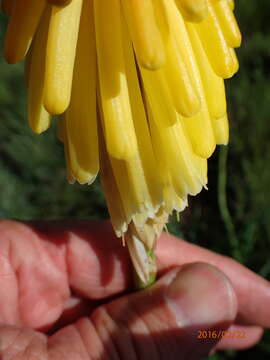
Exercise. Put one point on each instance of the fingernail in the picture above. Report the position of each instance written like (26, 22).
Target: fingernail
(200, 295)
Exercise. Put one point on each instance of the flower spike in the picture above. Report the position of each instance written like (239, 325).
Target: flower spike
(138, 87)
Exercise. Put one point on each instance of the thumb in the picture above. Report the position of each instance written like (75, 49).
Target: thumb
(162, 322)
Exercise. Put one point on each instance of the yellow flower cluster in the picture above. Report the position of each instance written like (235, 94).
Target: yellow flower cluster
(139, 88)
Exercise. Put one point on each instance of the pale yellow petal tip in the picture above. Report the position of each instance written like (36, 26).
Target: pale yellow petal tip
(142, 20)
(40, 129)
(235, 61)
(221, 130)
(182, 205)
(153, 63)
(120, 229)
(239, 41)
(85, 178)
(204, 151)
(229, 71)
(233, 66)
(123, 151)
(55, 106)
(193, 10)
(190, 108)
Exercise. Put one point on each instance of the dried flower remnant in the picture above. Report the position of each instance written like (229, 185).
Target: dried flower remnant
(139, 90)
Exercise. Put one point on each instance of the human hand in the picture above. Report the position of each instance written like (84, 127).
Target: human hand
(65, 294)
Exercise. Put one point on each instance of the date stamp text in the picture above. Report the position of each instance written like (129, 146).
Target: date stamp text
(221, 334)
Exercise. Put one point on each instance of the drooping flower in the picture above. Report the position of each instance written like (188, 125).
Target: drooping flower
(139, 89)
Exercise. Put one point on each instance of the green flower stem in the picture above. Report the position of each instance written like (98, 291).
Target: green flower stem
(223, 203)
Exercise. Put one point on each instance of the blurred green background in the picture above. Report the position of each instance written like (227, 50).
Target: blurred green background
(232, 217)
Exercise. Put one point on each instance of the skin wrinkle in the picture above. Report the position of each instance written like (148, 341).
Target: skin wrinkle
(44, 338)
(13, 341)
(97, 317)
(19, 340)
(92, 337)
(146, 326)
(68, 263)
(8, 253)
(163, 328)
(113, 335)
(122, 326)
(54, 251)
(247, 303)
(50, 297)
(66, 254)
(67, 341)
(156, 346)
(28, 351)
(20, 230)
(50, 271)
(70, 255)
(145, 323)
(106, 280)
(5, 263)
(60, 261)
(82, 342)
(52, 258)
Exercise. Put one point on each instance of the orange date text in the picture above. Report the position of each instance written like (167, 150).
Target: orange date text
(221, 334)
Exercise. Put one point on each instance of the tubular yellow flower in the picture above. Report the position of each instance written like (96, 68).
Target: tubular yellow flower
(139, 87)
